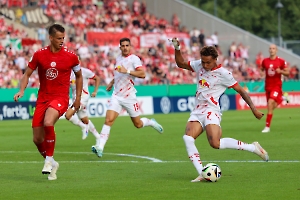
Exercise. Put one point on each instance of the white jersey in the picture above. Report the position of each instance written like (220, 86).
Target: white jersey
(124, 83)
(86, 75)
(210, 86)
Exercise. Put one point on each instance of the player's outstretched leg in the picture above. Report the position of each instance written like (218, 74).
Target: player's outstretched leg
(153, 123)
(52, 176)
(230, 143)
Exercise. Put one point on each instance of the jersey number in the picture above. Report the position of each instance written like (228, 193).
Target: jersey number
(136, 106)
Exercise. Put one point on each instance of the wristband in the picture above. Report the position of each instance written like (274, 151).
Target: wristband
(128, 71)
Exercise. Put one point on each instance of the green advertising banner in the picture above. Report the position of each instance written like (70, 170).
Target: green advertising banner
(152, 90)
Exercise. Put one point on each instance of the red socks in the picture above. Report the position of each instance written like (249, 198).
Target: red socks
(268, 120)
(49, 140)
(42, 148)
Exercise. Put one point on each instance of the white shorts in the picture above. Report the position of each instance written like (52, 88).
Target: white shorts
(129, 104)
(82, 112)
(208, 117)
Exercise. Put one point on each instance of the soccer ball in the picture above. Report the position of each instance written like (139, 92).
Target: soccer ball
(211, 172)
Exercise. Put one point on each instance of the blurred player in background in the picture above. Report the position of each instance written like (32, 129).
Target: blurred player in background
(274, 68)
(54, 64)
(81, 119)
(128, 66)
(213, 80)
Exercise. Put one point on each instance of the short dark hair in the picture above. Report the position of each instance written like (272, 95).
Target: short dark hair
(209, 51)
(124, 39)
(54, 28)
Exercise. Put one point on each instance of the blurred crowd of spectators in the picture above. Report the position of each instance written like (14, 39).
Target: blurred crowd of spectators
(118, 16)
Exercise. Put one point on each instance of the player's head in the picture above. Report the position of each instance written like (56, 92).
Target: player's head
(56, 36)
(273, 50)
(125, 46)
(209, 55)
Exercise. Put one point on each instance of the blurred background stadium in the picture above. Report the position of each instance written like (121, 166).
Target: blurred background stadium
(95, 26)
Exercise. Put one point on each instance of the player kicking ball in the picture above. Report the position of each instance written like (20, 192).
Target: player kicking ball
(213, 80)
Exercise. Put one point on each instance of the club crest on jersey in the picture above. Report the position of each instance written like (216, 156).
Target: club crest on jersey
(203, 83)
(271, 70)
(53, 64)
(51, 73)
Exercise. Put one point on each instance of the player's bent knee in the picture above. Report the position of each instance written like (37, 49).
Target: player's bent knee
(138, 125)
(215, 144)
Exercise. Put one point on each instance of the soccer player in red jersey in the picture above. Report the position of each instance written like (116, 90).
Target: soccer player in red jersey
(274, 68)
(54, 64)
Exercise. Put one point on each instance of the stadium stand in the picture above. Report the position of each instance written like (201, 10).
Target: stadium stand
(85, 19)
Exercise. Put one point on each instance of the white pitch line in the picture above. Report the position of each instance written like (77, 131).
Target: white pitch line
(118, 154)
(150, 159)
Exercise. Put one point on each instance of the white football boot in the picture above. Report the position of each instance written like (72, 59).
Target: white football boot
(198, 179)
(260, 151)
(47, 167)
(266, 130)
(157, 126)
(52, 176)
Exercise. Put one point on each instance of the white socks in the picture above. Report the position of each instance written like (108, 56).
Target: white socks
(76, 121)
(104, 136)
(146, 122)
(93, 130)
(230, 143)
(193, 152)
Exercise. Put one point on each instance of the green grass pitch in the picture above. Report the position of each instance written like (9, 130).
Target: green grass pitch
(142, 164)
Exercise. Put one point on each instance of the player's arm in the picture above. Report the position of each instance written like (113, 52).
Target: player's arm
(110, 85)
(178, 56)
(97, 84)
(285, 71)
(79, 83)
(237, 87)
(23, 83)
(139, 72)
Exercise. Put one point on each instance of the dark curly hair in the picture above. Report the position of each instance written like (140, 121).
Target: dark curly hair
(209, 51)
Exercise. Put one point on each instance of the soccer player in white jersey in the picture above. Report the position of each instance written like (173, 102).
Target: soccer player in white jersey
(213, 80)
(128, 66)
(81, 119)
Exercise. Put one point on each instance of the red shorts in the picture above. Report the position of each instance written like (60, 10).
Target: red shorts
(58, 104)
(275, 94)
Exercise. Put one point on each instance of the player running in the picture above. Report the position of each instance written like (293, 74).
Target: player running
(81, 119)
(128, 66)
(54, 64)
(213, 80)
(274, 68)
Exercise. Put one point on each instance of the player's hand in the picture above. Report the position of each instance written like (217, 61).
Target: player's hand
(278, 71)
(70, 112)
(258, 114)
(121, 69)
(94, 94)
(175, 43)
(109, 87)
(76, 104)
(18, 95)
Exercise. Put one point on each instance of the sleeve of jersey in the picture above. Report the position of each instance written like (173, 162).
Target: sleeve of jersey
(137, 62)
(88, 73)
(194, 65)
(228, 80)
(76, 66)
(33, 62)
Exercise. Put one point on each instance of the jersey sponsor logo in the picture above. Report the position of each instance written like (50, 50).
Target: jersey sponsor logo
(271, 70)
(165, 105)
(51, 73)
(53, 64)
(203, 83)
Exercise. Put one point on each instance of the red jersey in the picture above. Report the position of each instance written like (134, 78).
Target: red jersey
(273, 79)
(54, 71)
